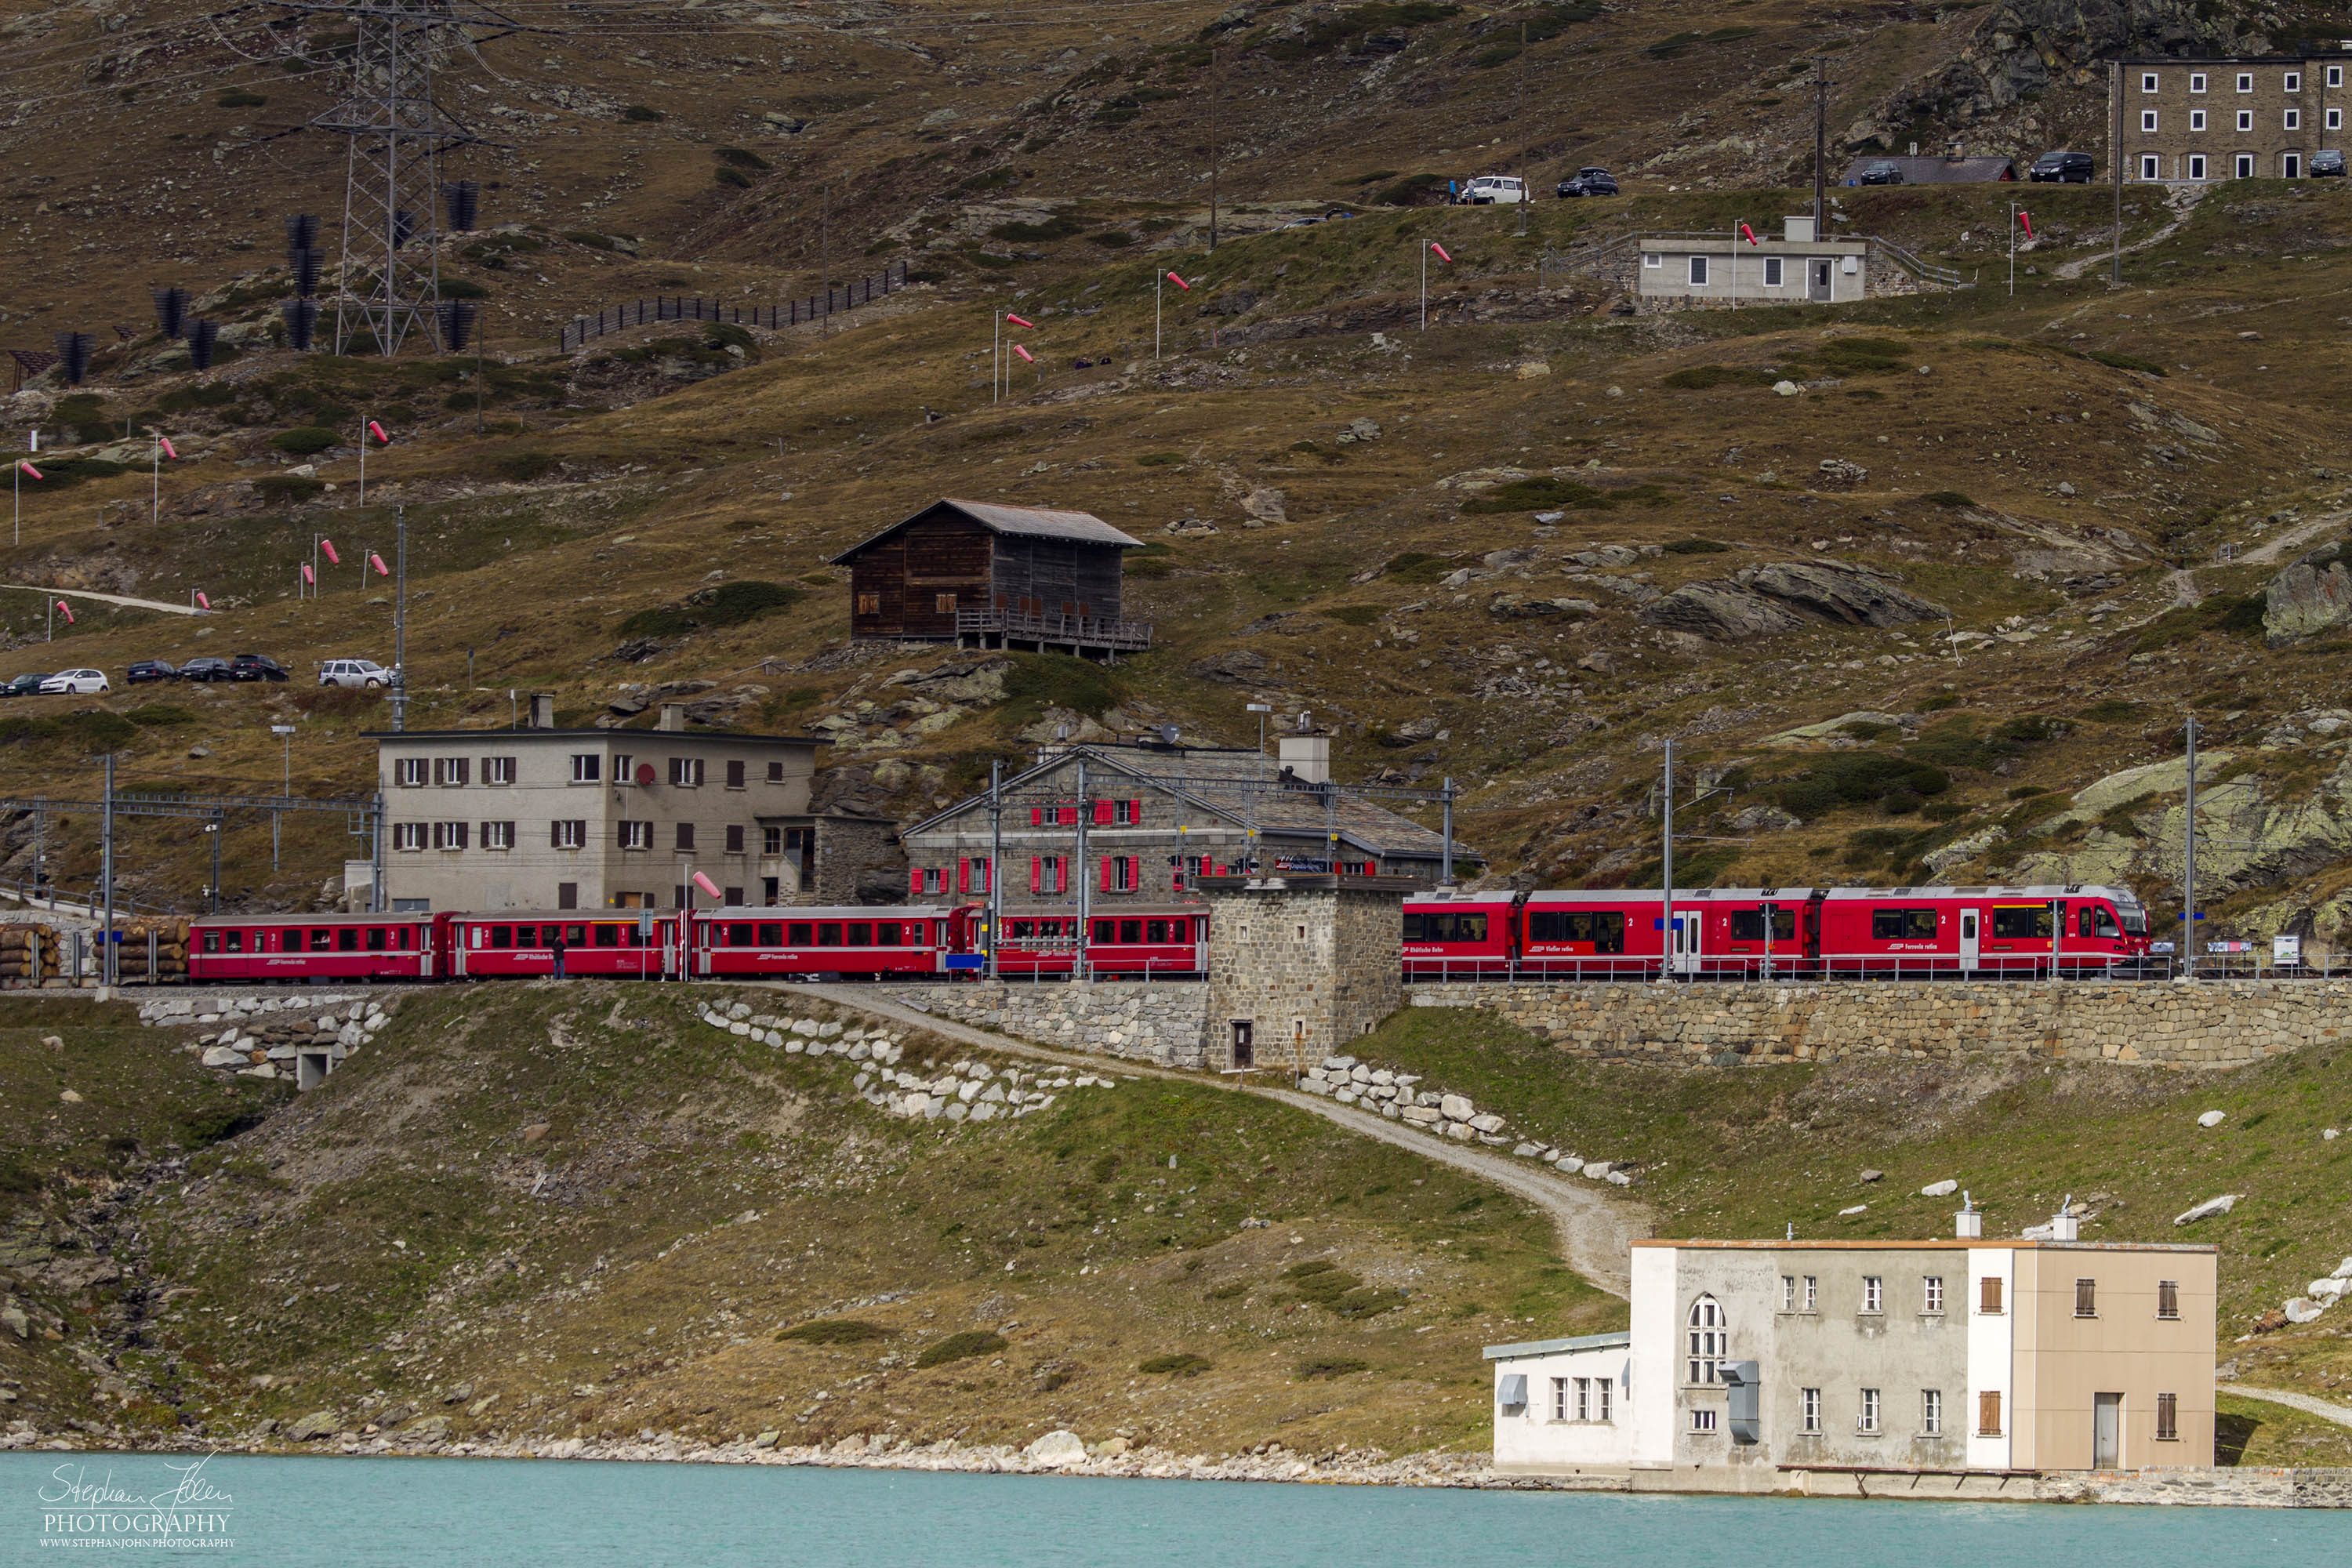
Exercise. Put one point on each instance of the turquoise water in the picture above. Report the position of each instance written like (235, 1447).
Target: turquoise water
(426, 1513)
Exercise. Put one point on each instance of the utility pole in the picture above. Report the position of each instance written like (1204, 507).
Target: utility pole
(2116, 158)
(1085, 905)
(1445, 866)
(2189, 863)
(400, 624)
(824, 253)
(1668, 932)
(106, 967)
(995, 860)
(1519, 117)
(1216, 80)
(1821, 146)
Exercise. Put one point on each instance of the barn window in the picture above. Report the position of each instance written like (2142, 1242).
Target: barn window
(869, 603)
(943, 602)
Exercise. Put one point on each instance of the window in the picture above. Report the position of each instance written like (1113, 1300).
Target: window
(2336, 120)
(497, 770)
(1788, 1292)
(2196, 119)
(1560, 1401)
(943, 604)
(2197, 167)
(449, 835)
(408, 835)
(1603, 932)
(2294, 119)
(2293, 83)
(2168, 1418)
(1931, 1294)
(869, 603)
(735, 775)
(1710, 1340)
(2168, 1298)
(2021, 923)
(2148, 81)
(1812, 1292)
(2196, 81)
(2335, 76)
(1771, 272)
(497, 835)
(734, 838)
(2086, 1297)
(1119, 873)
(1652, 258)
(686, 772)
(1702, 1422)
(1988, 1295)
(1748, 925)
(623, 768)
(2246, 81)
(2150, 166)
(636, 835)
(587, 767)
(2095, 922)
(1903, 925)
(1048, 874)
(1810, 1419)
(2245, 120)
(1698, 271)
(2242, 166)
(1873, 1293)
(567, 896)
(776, 772)
(2147, 119)
(409, 771)
(1931, 1412)
(452, 771)
(1988, 1414)
(1868, 1421)
(1603, 1400)
(567, 834)
(686, 835)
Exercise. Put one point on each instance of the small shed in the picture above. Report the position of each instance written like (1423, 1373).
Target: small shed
(994, 576)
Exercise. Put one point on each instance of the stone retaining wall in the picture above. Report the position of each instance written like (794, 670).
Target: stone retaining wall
(2161, 1023)
(2244, 1487)
(1157, 1023)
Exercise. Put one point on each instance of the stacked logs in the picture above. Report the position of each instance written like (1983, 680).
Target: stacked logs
(28, 954)
(171, 941)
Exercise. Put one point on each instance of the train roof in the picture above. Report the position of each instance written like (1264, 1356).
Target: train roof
(1101, 911)
(313, 918)
(1461, 896)
(2040, 891)
(830, 911)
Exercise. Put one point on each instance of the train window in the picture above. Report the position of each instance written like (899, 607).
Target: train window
(212, 941)
(322, 939)
(861, 934)
(575, 936)
(501, 937)
(800, 934)
(740, 934)
(1415, 928)
(1902, 925)
(1106, 931)
(2095, 921)
(375, 939)
(1131, 931)
(1748, 925)
(1469, 928)
(347, 939)
(2021, 923)
(1017, 931)
(772, 933)
(828, 933)
(236, 942)
(1155, 931)
(406, 942)
(886, 934)
(526, 936)
(607, 935)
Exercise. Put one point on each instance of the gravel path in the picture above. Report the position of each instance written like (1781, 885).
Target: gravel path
(1594, 1229)
(2308, 1404)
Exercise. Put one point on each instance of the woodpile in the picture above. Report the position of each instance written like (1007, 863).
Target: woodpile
(28, 954)
(171, 950)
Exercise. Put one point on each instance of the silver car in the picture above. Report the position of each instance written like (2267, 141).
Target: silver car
(74, 683)
(360, 672)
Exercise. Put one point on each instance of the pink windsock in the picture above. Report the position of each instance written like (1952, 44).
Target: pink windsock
(1441, 253)
(67, 611)
(376, 430)
(1024, 353)
(377, 562)
(309, 575)
(27, 469)
(708, 886)
(1019, 321)
(169, 450)
(328, 546)
(203, 602)
(1180, 283)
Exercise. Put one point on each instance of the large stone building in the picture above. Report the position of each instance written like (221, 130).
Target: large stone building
(2232, 118)
(1751, 1362)
(542, 818)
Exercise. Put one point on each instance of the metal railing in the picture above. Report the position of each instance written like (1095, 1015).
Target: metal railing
(1094, 631)
(836, 298)
(1926, 271)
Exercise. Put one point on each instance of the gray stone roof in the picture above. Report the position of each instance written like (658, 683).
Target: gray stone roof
(1030, 521)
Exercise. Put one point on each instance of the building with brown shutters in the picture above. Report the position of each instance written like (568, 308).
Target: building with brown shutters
(2193, 121)
(984, 575)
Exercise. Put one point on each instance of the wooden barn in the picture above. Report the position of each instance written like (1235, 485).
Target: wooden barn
(994, 576)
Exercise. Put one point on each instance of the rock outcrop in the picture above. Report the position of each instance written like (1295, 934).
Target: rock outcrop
(2314, 594)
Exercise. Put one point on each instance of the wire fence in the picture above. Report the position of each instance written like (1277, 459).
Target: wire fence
(837, 298)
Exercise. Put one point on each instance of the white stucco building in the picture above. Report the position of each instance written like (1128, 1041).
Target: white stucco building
(1792, 267)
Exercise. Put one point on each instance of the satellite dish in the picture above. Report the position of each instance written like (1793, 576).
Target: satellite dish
(645, 772)
(1167, 734)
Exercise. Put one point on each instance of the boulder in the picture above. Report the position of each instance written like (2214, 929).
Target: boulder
(1488, 1122)
(311, 1427)
(1764, 819)
(1055, 1449)
(224, 1057)
(2302, 1310)
(2212, 1119)
(1722, 612)
(1839, 593)
(2208, 1209)
(1455, 1108)
(2313, 594)
(1944, 1189)
(1239, 667)
(2325, 1292)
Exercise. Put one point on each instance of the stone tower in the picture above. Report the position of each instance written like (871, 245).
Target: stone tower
(1299, 964)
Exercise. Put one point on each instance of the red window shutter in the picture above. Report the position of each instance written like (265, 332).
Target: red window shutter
(1105, 874)
(963, 874)
(1069, 816)
(1036, 816)
(915, 881)
(1061, 876)
(1134, 812)
(1036, 875)
(1102, 813)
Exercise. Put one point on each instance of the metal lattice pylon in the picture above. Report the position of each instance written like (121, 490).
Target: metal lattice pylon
(390, 281)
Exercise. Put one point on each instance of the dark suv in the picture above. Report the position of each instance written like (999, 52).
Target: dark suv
(254, 667)
(206, 668)
(2327, 163)
(1884, 171)
(1589, 182)
(2061, 168)
(144, 670)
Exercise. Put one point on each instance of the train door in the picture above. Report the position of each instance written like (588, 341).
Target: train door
(1684, 942)
(1969, 940)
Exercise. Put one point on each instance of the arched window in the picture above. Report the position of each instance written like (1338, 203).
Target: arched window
(1710, 1340)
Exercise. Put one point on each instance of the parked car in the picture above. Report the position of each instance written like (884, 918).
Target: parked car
(1494, 190)
(1589, 182)
(2061, 168)
(2328, 163)
(362, 672)
(76, 683)
(1884, 171)
(255, 666)
(206, 668)
(23, 685)
(144, 670)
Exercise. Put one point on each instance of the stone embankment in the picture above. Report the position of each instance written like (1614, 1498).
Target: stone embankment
(1396, 1096)
(265, 1036)
(1155, 1023)
(2223, 1024)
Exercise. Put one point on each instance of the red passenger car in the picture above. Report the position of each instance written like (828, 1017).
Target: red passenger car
(1144, 943)
(1449, 932)
(522, 944)
(227, 948)
(846, 940)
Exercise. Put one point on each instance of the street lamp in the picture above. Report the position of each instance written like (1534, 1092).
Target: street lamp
(286, 787)
(1261, 710)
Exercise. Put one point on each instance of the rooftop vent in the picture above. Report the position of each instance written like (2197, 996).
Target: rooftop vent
(673, 717)
(1969, 1224)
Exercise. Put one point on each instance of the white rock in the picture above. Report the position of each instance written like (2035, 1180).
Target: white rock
(803, 1026)
(1339, 1064)
(859, 1052)
(1943, 1189)
(264, 1070)
(1489, 1123)
(740, 1010)
(1315, 1086)
(1456, 1109)
(2302, 1311)
(1787, 388)
(983, 1111)
(2329, 1134)
(774, 1039)
(1459, 1129)
(1420, 1115)
(957, 1111)
(2325, 1292)
(827, 1031)
(968, 1090)
(1597, 1169)
(1346, 1096)
(1620, 1179)
(1568, 1165)
(2344, 1270)
(2208, 1209)
(224, 1057)
(794, 1047)
(994, 1094)
(1527, 1150)
(1055, 1449)
(1849, 1214)
(740, 1027)
(2212, 1119)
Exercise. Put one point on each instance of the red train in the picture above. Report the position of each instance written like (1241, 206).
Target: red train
(1716, 932)
(1772, 932)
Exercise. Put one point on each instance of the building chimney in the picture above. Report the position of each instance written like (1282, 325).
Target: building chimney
(543, 709)
(672, 716)
(2066, 1224)
(1307, 758)
(1797, 230)
(1969, 1224)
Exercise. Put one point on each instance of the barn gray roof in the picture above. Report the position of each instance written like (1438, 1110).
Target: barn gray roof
(1941, 171)
(1027, 522)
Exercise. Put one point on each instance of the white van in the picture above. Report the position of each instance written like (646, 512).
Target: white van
(1494, 190)
(362, 672)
